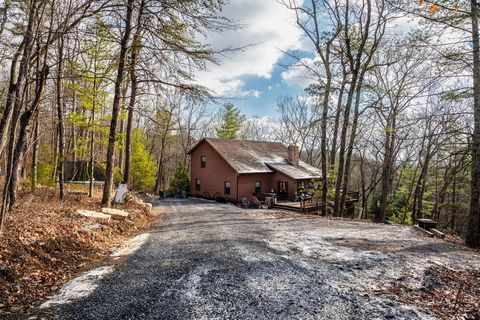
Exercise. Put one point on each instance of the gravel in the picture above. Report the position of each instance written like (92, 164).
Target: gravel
(205, 260)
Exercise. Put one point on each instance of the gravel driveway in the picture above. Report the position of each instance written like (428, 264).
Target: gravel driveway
(205, 260)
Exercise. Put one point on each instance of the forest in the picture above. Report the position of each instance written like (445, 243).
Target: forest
(106, 90)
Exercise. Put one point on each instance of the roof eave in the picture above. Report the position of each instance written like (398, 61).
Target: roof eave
(196, 145)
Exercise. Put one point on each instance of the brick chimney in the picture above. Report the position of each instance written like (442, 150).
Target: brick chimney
(293, 155)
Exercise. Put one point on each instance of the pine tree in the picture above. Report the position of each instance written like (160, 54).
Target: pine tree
(180, 181)
(143, 166)
(232, 122)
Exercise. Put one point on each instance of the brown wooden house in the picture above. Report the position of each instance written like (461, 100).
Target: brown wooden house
(236, 169)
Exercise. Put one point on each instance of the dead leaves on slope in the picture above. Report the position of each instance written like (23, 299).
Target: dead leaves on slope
(46, 243)
(448, 293)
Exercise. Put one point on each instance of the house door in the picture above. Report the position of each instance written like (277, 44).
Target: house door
(282, 190)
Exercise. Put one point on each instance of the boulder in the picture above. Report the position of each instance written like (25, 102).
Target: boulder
(116, 214)
(94, 215)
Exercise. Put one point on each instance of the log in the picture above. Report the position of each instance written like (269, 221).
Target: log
(116, 214)
(437, 233)
(425, 232)
(97, 216)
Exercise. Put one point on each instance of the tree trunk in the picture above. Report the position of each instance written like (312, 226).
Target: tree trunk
(473, 230)
(387, 167)
(326, 100)
(8, 110)
(333, 152)
(16, 96)
(159, 181)
(35, 155)
(18, 147)
(91, 157)
(353, 134)
(420, 187)
(337, 209)
(133, 92)
(61, 126)
(107, 189)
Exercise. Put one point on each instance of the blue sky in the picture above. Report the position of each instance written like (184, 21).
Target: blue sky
(253, 79)
(270, 89)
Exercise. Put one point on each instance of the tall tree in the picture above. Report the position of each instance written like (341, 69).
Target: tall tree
(309, 19)
(108, 186)
(134, 55)
(473, 231)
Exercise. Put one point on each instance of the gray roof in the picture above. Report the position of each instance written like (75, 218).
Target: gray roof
(300, 172)
(246, 156)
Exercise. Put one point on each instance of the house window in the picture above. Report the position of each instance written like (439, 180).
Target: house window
(203, 161)
(197, 184)
(226, 187)
(258, 186)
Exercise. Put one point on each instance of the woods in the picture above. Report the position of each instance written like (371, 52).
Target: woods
(107, 91)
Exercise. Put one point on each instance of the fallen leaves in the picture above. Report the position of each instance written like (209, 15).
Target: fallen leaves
(448, 293)
(45, 244)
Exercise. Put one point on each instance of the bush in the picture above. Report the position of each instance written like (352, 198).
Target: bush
(44, 175)
(232, 201)
(220, 199)
(398, 217)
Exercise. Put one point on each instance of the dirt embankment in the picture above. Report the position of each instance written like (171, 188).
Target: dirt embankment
(46, 243)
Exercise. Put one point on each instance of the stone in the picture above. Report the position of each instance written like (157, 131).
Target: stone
(94, 215)
(116, 214)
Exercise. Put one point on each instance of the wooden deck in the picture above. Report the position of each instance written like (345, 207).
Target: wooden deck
(299, 206)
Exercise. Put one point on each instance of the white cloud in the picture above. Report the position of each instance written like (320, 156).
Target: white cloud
(299, 74)
(251, 93)
(269, 28)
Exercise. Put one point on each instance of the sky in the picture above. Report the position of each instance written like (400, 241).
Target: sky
(254, 79)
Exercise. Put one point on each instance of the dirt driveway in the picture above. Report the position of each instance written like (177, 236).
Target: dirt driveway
(210, 261)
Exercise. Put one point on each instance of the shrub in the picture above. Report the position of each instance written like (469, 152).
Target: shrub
(220, 199)
(44, 174)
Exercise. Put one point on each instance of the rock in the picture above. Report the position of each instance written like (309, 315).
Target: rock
(115, 213)
(97, 216)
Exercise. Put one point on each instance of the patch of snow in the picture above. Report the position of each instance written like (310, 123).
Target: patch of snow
(193, 281)
(131, 245)
(79, 287)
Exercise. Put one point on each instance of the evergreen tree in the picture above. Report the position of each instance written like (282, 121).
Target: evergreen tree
(144, 167)
(180, 181)
(231, 122)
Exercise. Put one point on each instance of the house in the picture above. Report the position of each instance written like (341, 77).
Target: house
(236, 169)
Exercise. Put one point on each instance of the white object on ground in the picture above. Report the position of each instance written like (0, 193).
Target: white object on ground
(116, 214)
(131, 245)
(120, 194)
(79, 287)
(97, 216)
